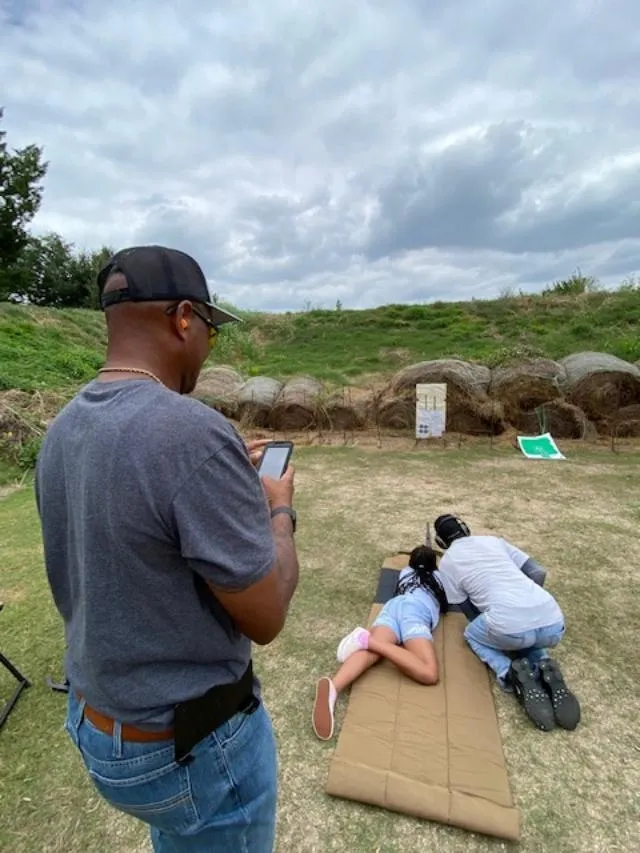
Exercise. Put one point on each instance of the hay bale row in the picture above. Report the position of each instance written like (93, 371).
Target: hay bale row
(571, 398)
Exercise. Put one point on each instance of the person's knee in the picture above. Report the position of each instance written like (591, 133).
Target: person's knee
(428, 674)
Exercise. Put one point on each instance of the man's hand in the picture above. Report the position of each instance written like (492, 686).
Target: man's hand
(255, 449)
(280, 492)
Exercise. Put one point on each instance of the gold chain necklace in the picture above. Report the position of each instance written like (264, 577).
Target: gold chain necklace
(131, 370)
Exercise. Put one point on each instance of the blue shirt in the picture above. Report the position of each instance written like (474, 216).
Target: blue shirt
(423, 603)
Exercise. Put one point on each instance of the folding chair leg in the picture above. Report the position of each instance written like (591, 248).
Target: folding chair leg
(58, 687)
(23, 683)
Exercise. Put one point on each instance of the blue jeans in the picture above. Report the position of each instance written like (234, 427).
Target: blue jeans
(490, 646)
(224, 799)
(405, 618)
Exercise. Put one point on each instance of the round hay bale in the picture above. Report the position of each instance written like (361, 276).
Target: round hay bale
(476, 417)
(463, 375)
(346, 410)
(218, 388)
(395, 413)
(561, 419)
(523, 387)
(469, 408)
(600, 383)
(256, 398)
(298, 405)
(626, 422)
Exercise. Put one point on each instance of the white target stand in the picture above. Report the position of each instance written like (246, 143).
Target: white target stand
(431, 411)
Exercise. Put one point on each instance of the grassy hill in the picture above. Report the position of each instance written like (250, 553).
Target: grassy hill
(53, 349)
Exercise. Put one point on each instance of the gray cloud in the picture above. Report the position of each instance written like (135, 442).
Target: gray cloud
(368, 153)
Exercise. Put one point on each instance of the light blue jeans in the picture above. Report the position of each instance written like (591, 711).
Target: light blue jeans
(490, 646)
(405, 618)
(224, 799)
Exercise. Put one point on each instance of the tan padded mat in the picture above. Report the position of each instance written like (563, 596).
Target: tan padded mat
(430, 752)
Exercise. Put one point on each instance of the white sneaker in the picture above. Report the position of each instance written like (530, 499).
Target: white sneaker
(356, 641)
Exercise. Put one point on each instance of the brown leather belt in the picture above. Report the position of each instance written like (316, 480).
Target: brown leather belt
(129, 732)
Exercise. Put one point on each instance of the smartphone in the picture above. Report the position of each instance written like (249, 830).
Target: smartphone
(275, 459)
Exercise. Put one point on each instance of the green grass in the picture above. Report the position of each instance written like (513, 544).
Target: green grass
(42, 348)
(577, 791)
(46, 348)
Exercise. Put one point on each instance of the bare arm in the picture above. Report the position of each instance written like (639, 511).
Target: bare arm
(260, 611)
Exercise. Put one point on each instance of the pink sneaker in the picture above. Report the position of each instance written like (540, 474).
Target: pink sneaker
(356, 641)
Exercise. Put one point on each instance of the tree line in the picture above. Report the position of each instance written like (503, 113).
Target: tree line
(45, 269)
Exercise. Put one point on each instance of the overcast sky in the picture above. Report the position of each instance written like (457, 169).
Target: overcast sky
(304, 152)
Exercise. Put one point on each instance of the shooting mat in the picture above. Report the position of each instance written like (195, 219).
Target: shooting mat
(430, 752)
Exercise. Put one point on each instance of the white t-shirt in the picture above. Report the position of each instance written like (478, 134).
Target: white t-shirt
(487, 571)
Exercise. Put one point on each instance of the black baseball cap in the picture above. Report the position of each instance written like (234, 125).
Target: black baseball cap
(158, 274)
(448, 528)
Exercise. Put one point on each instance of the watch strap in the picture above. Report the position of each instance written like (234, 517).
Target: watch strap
(285, 510)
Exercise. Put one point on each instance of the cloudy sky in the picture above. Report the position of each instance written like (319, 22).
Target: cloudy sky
(304, 152)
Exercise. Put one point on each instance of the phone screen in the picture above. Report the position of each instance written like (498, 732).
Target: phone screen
(273, 462)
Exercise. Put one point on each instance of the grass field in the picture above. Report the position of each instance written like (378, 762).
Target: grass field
(579, 792)
(49, 348)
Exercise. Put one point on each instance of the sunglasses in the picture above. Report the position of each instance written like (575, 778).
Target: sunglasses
(213, 329)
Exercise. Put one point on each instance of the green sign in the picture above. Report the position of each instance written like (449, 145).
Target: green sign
(539, 447)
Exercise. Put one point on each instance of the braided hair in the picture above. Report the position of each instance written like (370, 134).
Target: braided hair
(424, 563)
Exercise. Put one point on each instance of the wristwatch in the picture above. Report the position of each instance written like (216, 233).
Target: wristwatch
(287, 510)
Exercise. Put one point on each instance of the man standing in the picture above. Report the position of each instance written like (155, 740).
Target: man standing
(166, 558)
(500, 589)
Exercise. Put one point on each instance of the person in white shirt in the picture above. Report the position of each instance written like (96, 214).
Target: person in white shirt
(514, 620)
(402, 633)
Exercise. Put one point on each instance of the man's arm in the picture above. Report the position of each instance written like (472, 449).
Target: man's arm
(535, 571)
(261, 610)
(248, 559)
(525, 563)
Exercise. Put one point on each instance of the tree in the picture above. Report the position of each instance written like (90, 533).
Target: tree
(49, 272)
(21, 172)
(87, 267)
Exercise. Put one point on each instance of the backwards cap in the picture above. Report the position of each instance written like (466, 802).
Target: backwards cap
(158, 274)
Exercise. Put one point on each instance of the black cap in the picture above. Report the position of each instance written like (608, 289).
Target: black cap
(448, 528)
(158, 274)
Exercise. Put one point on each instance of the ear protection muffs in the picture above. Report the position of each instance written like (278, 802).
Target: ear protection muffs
(456, 529)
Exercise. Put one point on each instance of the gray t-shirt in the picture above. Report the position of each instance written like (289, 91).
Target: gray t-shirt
(144, 495)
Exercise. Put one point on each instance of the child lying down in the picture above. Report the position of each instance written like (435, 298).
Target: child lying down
(484, 576)
(402, 633)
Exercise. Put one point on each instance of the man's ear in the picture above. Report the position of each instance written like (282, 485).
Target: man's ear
(184, 318)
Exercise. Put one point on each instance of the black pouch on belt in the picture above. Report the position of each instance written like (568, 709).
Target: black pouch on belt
(197, 718)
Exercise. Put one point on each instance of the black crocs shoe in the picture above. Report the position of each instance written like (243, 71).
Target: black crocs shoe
(566, 707)
(531, 695)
